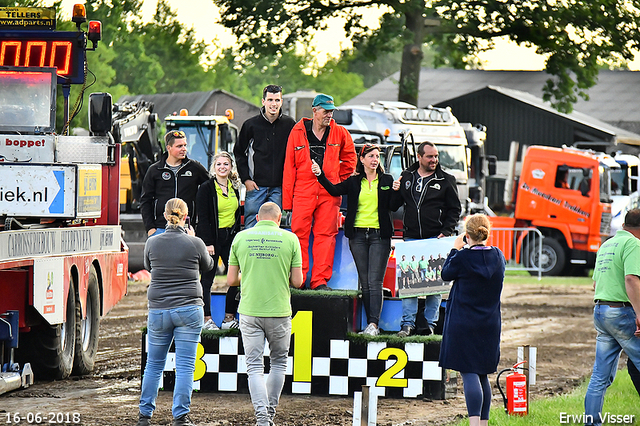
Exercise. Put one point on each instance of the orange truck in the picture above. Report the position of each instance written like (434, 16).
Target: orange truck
(566, 194)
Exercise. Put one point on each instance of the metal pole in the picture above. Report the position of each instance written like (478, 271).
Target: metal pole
(66, 92)
(364, 410)
(526, 357)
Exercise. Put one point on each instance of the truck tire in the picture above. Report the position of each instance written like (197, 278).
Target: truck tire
(50, 348)
(553, 257)
(86, 335)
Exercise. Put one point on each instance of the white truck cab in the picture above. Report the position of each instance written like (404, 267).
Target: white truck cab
(398, 120)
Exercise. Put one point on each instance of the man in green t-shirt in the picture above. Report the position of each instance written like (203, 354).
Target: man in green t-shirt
(405, 272)
(616, 315)
(269, 259)
(423, 264)
(415, 274)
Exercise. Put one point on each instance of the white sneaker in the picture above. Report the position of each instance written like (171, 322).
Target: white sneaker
(210, 325)
(226, 325)
(371, 330)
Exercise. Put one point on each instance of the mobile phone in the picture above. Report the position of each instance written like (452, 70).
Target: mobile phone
(187, 221)
(464, 239)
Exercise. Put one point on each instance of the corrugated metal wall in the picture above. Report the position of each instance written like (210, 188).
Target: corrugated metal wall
(508, 119)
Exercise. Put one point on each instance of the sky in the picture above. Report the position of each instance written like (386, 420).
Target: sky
(202, 15)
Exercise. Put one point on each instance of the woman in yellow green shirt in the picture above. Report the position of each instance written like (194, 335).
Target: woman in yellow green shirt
(218, 205)
(368, 225)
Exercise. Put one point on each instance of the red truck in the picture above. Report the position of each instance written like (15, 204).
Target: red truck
(63, 263)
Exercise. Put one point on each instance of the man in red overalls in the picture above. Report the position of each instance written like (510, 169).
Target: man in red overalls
(331, 146)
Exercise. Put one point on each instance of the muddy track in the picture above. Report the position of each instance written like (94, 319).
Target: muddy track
(557, 320)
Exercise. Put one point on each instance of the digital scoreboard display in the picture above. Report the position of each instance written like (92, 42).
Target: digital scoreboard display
(61, 50)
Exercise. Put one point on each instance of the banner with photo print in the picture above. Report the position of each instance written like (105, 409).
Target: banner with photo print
(419, 265)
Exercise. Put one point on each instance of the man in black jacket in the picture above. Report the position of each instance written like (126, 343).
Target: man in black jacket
(260, 153)
(431, 210)
(174, 176)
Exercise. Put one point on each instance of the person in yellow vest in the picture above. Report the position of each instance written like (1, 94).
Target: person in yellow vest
(368, 225)
(218, 204)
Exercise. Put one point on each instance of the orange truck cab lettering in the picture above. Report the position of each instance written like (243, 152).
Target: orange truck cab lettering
(566, 194)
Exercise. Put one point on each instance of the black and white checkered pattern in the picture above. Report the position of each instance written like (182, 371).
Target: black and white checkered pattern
(339, 368)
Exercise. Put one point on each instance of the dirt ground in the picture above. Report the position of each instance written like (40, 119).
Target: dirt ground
(557, 320)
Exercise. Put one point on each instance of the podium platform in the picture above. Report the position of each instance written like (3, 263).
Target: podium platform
(327, 356)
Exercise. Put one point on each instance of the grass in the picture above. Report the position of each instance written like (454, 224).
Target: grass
(621, 399)
(392, 338)
(519, 277)
(210, 334)
(511, 277)
(324, 293)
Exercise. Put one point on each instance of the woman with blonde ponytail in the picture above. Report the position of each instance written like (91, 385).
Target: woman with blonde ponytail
(218, 204)
(175, 259)
(471, 335)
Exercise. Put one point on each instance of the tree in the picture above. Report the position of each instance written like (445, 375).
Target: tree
(246, 75)
(176, 49)
(23, 3)
(577, 36)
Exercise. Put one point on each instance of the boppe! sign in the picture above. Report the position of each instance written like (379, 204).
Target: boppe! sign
(27, 148)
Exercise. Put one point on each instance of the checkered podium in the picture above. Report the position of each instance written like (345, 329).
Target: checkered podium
(323, 360)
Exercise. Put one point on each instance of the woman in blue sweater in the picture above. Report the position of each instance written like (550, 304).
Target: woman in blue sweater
(471, 335)
(368, 225)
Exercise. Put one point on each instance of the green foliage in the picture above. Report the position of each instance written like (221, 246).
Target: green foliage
(24, 3)
(246, 75)
(100, 78)
(216, 334)
(334, 79)
(372, 70)
(176, 50)
(164, 56)
(121, 23)
(577, 37)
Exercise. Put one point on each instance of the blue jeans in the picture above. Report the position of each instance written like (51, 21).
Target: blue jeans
(256, 198)
(371, 255)
(158, 232)
(277, 331)
(164, 325)
(615, 327)
(431, 310)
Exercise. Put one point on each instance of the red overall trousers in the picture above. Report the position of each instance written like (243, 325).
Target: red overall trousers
(311, 205)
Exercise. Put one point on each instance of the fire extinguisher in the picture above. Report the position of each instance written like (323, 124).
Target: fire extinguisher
(515, 402)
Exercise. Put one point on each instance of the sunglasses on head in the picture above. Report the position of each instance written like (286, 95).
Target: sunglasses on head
(368, 147)
(177, 134)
